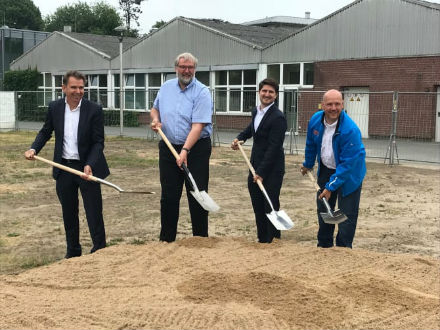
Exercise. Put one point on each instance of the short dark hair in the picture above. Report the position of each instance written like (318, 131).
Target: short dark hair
(75, 74)
(270, 82)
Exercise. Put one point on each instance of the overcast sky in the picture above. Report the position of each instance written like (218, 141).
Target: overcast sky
(234, 11)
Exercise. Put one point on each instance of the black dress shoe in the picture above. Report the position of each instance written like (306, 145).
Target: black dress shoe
(72, 255)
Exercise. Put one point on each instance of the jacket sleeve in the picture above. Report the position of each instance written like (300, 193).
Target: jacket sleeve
(275, 142)
(246, 133)
(46, 131)
(96, 136)
(311, 149)
(350, 151)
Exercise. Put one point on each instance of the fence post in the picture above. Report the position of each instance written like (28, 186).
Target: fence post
(392, 146)
(215, 136)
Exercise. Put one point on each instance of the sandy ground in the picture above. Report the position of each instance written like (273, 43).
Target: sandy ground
(390, 280)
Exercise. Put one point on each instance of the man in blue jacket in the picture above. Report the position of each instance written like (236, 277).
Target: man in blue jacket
(334, 141)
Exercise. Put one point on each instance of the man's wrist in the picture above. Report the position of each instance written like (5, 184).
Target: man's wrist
(186, 149)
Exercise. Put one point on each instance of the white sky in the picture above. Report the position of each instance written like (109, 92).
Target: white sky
(234, 11)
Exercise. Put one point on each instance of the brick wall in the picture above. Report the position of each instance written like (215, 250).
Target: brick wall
(416, 112)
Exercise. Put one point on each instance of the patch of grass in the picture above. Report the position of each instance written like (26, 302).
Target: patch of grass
(137, 241)
(115, 241)
(2, 243)
(131, 159)
(13, 234)
(29, 263)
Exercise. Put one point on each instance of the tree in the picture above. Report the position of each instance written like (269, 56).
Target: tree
(131, 10)
(21, 14)
(157, 25)
(100, 18)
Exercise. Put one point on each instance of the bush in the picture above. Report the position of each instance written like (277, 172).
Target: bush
(21, 80)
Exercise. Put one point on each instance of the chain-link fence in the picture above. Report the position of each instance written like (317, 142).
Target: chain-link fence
(394, 126)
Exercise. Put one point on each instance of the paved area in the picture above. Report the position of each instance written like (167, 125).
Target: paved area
(403, 150)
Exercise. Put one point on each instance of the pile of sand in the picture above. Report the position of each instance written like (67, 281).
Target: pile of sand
(225, 283)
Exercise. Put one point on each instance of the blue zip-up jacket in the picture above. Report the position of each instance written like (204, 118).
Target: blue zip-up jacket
(348, 150)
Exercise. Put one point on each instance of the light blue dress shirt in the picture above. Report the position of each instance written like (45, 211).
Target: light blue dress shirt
(179, 109)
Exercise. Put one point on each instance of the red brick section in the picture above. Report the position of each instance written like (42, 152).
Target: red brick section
(416, 112)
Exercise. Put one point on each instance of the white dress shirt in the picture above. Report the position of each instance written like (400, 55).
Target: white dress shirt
(70, 141)
(260, 114)
(327, 156)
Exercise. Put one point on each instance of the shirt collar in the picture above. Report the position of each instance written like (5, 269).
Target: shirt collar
(79, 104)
(266, 108)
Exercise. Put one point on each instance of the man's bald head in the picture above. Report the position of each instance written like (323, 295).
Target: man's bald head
(332, 104)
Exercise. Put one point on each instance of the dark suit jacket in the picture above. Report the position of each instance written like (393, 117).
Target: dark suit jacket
(90, 135)
(267, 152)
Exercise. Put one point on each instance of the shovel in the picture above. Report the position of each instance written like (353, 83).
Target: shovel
(330, 217)
(279, 219)
(93, 178)
(201, 197)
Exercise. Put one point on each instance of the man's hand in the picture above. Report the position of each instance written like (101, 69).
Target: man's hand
(257, 177)
(326, 193)
(183, 158)
(87, 173)
(234, 144)
(155, 125)
(304, 170)
(29, 154)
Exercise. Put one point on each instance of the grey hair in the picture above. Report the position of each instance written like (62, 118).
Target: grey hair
(186, 57)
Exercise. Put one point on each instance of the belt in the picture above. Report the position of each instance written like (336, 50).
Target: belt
(70, 161)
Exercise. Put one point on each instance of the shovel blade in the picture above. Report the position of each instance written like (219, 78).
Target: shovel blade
(280, 220)
(205, 201)
(335, 218)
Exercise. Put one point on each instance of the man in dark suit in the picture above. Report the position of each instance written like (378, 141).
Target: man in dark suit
(79, 143)
(267, 127)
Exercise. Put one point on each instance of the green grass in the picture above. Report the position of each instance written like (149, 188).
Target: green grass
(115, 241)
(13, 235)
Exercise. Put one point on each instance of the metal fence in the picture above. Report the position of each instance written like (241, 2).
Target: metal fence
(395, 126)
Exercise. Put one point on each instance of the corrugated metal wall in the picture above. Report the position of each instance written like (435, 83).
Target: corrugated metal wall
(59, 54)
(366, 29)
(160, 50)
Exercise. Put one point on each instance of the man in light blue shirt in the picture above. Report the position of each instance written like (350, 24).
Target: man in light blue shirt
(183, 110)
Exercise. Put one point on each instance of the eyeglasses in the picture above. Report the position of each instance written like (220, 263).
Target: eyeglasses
(185, 67)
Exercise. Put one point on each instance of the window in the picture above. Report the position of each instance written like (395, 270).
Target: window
(135, 91)
(154, 83)
(203, 77)
(235, 90)
(273, 71)
(45, 88)
(309, 71)
(96, 89)
(291, 75)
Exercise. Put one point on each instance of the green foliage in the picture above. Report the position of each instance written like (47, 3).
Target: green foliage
(157, 25)
(112, 118)
(99, 18)
(21, 80)
(22, 14)
(131, 11)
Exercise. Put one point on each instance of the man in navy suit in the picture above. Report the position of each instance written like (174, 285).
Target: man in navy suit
(267, 127)
(79, 143)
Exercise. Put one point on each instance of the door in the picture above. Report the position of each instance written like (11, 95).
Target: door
(290, 109)
(357, 105)
(437, 117)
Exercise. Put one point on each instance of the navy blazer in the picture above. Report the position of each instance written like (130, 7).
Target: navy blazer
(267, 151)
(90, 135)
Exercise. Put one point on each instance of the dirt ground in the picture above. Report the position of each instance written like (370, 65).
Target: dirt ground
(389, 280)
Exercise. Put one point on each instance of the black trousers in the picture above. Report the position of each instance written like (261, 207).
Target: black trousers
(67, 185)
(266, 231)
(349, 205)
(172, 179)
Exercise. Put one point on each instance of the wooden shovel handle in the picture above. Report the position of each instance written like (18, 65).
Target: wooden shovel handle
(170, 146)
(312, 178)
(65, 168)
(260, 184)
